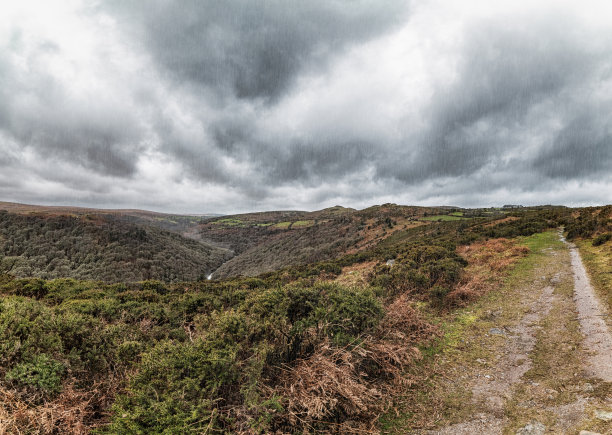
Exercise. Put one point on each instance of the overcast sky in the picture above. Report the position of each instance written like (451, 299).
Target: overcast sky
(240, 105)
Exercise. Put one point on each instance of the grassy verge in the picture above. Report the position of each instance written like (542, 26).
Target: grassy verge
(443, 218)
(300, 224)
(283, 225)
(442, 395)
(598, 262)
(552, 400)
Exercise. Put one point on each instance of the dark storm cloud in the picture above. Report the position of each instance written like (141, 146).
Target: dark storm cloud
(505, 74)
(287, 160)
(43, 115)
(253, 49)
(241, 54)
(315, 162)
(582, 149)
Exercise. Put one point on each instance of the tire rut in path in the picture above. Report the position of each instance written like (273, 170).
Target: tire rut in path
(492, 391)
(597, 339)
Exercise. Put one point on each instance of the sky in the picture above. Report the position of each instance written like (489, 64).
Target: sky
(204, 106)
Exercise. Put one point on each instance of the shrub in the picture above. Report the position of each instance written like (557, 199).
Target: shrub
(439, 293)
(82, 341)
(344, 313)
(26, 329)
(33, 288)
(42, 373)
(601, 239)
(129, 351)
(176, 389)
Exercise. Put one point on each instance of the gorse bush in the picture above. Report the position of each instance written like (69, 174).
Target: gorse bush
(420, 267)
(177, 388)
(28, 328)
(590, 221)
(180, 384)
(601, 239)
(196, 349)
(42, 373)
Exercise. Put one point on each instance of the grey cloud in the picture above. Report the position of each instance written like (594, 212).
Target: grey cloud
(313, 163)
(240, 50)
(510, 81)
(506, 73)
(252, 49)
(93, 145)
(195, 153)
(290, 160)
(39, 113)
(582, 149)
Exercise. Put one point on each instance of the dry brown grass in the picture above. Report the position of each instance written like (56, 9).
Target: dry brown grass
(73, 411)
(327, 384)
(356, 384)
(357, 274)
(487, 262)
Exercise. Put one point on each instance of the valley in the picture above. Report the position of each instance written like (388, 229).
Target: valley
(391, 319)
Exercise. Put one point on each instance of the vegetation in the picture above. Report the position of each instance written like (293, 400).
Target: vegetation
(292, 348)
(590, 221)
(99, 247)
(443, 217)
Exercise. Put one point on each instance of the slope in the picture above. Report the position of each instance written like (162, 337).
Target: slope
(99, 247)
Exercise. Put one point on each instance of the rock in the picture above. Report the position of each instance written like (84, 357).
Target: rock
(588, 388)
(496, 331)
(390, 262)
(492, 315)
(603, 415)
(551, 394)
(535, 428)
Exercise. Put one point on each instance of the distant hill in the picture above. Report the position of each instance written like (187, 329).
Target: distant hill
(100, 246)
(134, 245)
(264, 242)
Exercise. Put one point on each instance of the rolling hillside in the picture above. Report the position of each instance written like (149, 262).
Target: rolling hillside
(264, 242)
(107, 247)
(133, 245)
(330, 345)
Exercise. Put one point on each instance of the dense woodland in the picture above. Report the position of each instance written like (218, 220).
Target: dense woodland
(297, 348)
(100, 247)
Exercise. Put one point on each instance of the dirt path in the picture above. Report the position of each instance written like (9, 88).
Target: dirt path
(597, 338)
(543, 363)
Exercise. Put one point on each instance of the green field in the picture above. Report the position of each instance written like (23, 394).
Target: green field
(442, 217)
(229, 222)
(284, 225)
(300, 224)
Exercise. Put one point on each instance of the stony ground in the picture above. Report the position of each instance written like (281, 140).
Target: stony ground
(533, 357)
